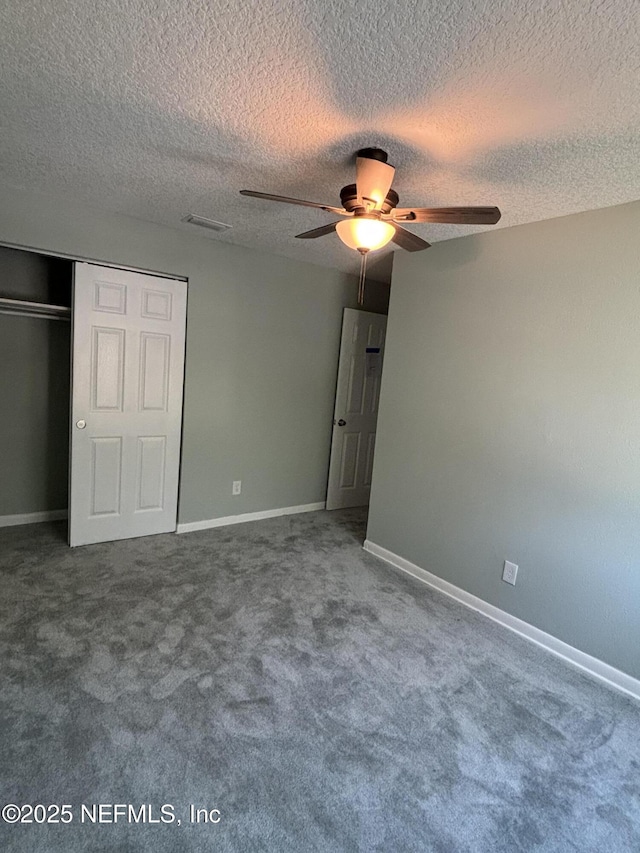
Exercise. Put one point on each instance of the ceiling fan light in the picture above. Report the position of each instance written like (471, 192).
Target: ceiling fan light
(364, 234)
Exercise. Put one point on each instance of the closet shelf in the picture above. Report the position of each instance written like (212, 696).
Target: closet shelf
(34, 309)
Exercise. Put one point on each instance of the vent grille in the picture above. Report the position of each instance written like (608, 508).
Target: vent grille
(203, 222)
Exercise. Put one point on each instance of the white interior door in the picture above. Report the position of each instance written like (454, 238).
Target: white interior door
(356, 410)
(126, 403)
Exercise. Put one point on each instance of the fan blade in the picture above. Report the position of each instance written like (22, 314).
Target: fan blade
(287, 200)
(406, 240)
(449, 215)
(318, 232)
(373, 182)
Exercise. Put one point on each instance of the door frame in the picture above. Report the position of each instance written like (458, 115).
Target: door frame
(98, 262)
(336, 413)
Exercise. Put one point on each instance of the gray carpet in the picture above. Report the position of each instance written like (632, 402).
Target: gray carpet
(318, 699)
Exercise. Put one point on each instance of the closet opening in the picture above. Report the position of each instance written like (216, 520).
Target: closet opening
(35, 386)
(91, 387)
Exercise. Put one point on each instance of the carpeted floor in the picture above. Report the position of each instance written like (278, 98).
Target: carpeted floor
(317, 699)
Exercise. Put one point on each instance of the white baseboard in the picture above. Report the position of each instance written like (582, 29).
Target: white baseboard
(32, 517)
(190, 526)
(593, 666)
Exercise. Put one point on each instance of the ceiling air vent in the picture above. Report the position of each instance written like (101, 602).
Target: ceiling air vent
(203, 222)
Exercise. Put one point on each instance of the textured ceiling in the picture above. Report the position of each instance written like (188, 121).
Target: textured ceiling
(158, 108)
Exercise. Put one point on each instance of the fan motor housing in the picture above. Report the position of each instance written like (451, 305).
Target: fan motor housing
(349, 199)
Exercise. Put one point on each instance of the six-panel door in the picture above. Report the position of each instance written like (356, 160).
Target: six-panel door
(127, 371)
(356, 408)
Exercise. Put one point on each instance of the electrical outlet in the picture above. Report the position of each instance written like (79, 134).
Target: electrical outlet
(237, 487)
(510, 572)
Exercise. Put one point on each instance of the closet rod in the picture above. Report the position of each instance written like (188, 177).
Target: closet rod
(34, 309)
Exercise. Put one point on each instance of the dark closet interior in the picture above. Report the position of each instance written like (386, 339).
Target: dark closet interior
(34, 383)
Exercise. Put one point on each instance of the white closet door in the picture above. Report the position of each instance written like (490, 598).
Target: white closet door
(126, 409)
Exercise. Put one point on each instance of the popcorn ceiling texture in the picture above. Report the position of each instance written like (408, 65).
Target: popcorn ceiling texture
(158, 108)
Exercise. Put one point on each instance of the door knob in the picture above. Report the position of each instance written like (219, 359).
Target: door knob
(81, 424)
(342, 422)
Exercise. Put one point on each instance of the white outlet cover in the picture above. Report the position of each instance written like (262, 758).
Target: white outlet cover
(236, 488)
(510, 572)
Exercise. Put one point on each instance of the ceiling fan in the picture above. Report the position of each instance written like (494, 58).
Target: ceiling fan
(372, 218)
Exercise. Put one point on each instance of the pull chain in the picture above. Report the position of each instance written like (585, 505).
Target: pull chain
(363, 272)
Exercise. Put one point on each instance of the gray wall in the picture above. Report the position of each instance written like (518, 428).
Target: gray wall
(262, 347)
(34, 388)
(509, 424)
